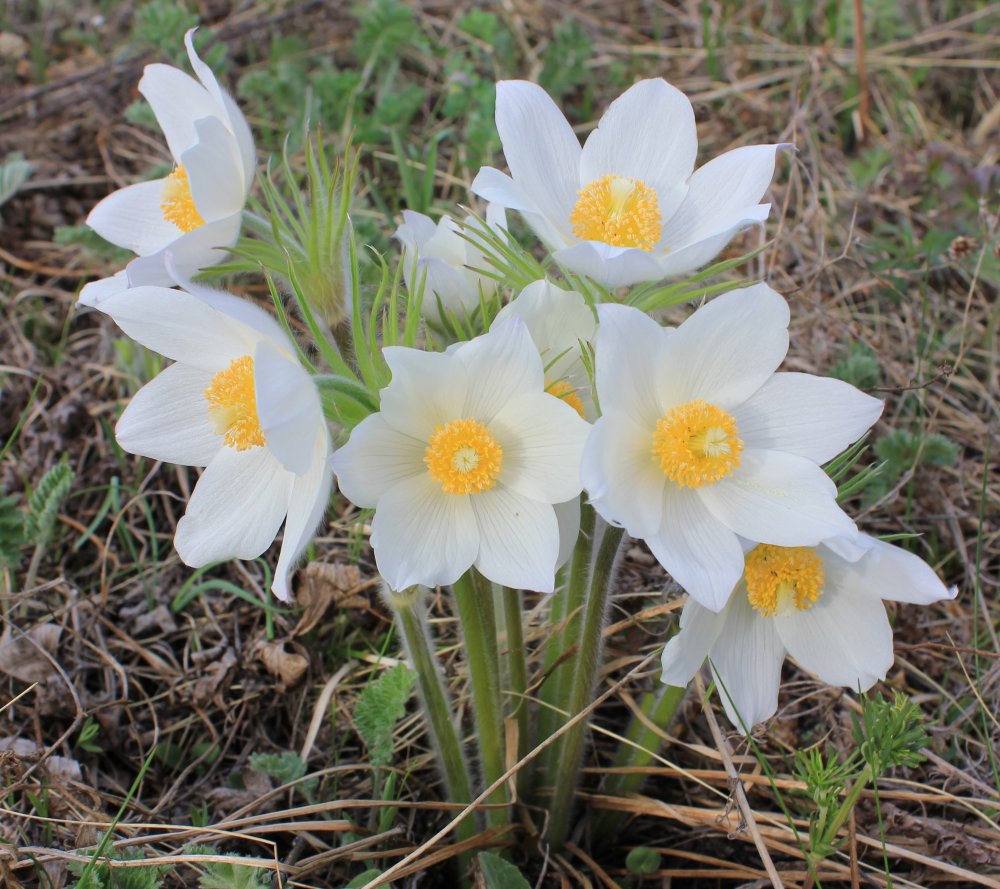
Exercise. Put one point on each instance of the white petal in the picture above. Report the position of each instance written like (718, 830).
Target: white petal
(446, 287)
(502, 191)
(288, 407)
(727, 349)
(416, 230)
(682, 259)
(177, 100)
(132, 218)
(568, 517)
(746, 662)
(236, 508)
(686, 652)
(542, 152)
(215, 171)
(613, 267)
(307, 502)
(814, 417)
(542, 441)
(518, 540)
(890, 572)
(427, 390)
(630, 350)
(193, 251)
(422, 535)
(501, 365)
(96, 291)
(778, 498)
(375, 459)
(845, 637)
(701, 553)
(721, 190)
(622, 479)
(180, 326)
(647, 133)
(234, 117)
(167, 419)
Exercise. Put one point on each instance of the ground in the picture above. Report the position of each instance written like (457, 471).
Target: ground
(160, 707)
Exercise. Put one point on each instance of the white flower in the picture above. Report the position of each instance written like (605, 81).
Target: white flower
(197, 208)
(464, 463)
(701, 441)
(627, 207)
(237, 402)
(811, 603)
(558, 321)
(445, 259)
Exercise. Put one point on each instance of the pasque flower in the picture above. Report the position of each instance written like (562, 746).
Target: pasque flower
(238, 402)
(445, 260)
(195, 211)
(701, 442)
(820, 605)
(464, 462)
(628, 206)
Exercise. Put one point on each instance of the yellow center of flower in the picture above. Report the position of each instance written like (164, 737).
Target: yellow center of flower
(619, 211)
(566, 391)
(783, 578)
(697, 444)
(463, 457)
(177, 204)
(232, 406)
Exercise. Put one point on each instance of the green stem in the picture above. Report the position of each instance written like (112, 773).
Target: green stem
(639, 749)
(412, 622)
(582, 688)
(517, 663)
(567, 607)
(850, 801)
(475, 610)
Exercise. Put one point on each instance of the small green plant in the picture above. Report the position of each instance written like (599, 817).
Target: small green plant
(88, 736)
(500, 874)
(860, 367)
(11, 532)
(106, 876)
(226, 875)
(285, 768)
(14, 172)
(901, 450)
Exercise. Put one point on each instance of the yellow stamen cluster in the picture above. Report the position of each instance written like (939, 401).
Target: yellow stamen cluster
(232, 406)
(566, 391)
(177, 204)
(782, 578)
(697, 444)
(619, 211)
(463, 457)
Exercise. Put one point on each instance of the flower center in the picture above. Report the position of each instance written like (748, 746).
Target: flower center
(697, 444)
(782, 578)
(177, 204)
(232, 406)
(463, 457)
(619, 211)
(566, 391)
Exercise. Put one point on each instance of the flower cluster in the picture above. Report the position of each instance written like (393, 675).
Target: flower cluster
(473, 442)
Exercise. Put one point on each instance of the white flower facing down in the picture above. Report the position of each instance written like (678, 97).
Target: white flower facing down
(445, 260)
(194, 212)
(464, 463)
(701, 442)
(822, 609)
(237, 402)
(628, 206)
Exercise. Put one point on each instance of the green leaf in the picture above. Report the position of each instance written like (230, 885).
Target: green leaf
(45, 500)
(500, 874)
(642, 860)
(381, 705)
(14, 172)
(363, 879)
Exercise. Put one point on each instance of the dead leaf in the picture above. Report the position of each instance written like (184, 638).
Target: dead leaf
(22, 655)
(321, 586)
(288, 666)
(213, 676)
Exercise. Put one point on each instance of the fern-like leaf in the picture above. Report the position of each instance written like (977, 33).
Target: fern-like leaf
(45, 500)
(381, 705)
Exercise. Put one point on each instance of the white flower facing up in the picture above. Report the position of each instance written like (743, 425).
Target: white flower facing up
(195, 212)
(628, 206)
(701, 442)
(822, 609)
(238, 402)
(464, 463)
(445, 260)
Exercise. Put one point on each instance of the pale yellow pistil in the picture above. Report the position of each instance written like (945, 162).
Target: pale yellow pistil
(697, 444)
(564, 390)
(232, 406)
(619, 211)
(783, 579)
(463, 457)
(177, 204)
